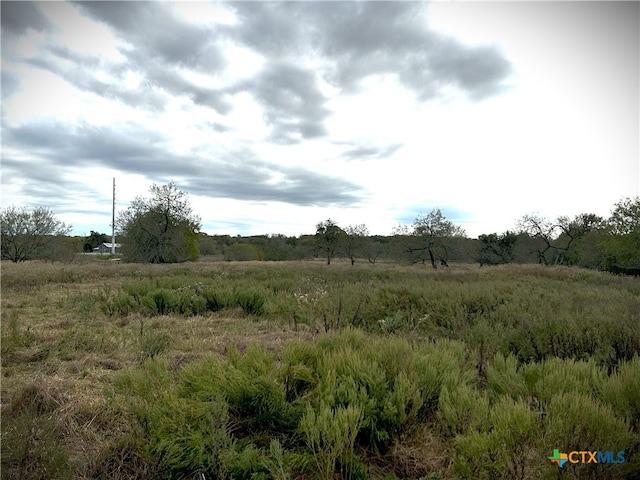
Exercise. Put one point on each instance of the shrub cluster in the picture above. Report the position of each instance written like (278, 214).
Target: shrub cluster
(326, 407)
(177, 296)
(573, 314)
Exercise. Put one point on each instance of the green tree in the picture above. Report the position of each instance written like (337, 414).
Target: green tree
(328, 235)
(497, 249)
(160, 229)
(558, 240)
(242, 252)
(432, 230)
(355, 236)
(28, 234)
(374, 246)
(622, 245)
(577, 236)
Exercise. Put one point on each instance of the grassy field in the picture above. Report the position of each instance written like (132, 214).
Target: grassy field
(301, 370)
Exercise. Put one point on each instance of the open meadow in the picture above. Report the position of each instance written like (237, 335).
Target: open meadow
(287, 370)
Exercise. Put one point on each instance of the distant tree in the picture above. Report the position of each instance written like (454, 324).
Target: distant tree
(625, 217)
(558, 239)
(207, 245)
(432, 230)
(26, 234)
(537, 226)
(355, 236)
(497, 249)
(573, 237)
(374, 246)
(242, 252)
(328, 235)
(160, 229)
(622, 245)
(94, 240)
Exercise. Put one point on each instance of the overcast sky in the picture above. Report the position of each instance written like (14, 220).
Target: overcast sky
(276, 116)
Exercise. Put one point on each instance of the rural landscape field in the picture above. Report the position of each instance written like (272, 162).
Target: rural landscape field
(284, 370)
(319, 240)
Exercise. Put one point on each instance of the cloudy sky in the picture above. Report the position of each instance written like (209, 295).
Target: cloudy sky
(276, 116)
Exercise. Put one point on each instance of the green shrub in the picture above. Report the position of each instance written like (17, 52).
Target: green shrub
(276, 461)
(579, 422)
(461, 409)
(185, 435)
(189, 437)
(122, 304)
(242, 252)
(348, 377)
(503, 378)
(247, 462)
(503, 447)
(442, 363)
(251, 301)
(554, 376)
(32, 447)
(298, 369)
(216, 299)
(248, 383)
(622, 391)
(154, 344)
(330, 435)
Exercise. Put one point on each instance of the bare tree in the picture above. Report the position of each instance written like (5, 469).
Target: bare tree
(374, 246)
(557, 238)
(26, 233)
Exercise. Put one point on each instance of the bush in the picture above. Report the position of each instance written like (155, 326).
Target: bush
(186, 435)
(503, 378)
(251, 301)
(330, 434)
(555, 376)
(242, 252)
(503, 450)
(620, 391)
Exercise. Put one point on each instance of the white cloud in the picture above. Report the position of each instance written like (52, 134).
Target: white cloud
(42, 94)
(491, 110)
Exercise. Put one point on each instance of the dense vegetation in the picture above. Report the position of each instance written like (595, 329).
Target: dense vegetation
(163, 229)
(302, 370)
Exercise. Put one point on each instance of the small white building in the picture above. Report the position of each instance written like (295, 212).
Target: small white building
(105, 248)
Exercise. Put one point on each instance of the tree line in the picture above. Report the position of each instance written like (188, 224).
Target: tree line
(162, 228)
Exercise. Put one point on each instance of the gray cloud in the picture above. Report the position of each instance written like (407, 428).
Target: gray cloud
(159, 43)
(371, 152)
(56, 148)
(360, 39)
(243, 175)
(293, 103)
(18, 17)
(10, 84)
(153, 31)
(352, 40)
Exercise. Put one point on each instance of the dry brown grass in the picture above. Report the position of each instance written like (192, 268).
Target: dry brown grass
(59, 356)
(420, 453)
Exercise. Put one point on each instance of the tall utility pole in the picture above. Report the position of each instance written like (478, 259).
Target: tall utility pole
(113, 220)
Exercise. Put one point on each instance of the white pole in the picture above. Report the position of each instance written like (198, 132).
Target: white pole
(113, 220)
